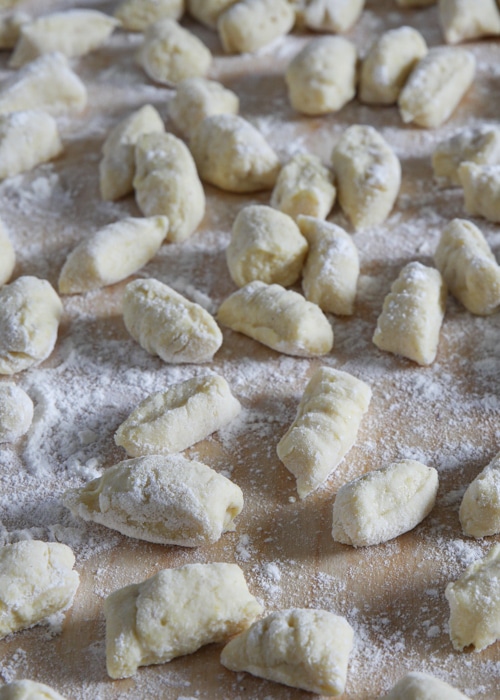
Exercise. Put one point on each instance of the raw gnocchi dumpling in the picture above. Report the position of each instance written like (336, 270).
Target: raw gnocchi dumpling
(112, 254)
(481, 185)
(16, 412)
(325, 428)
(198, 98)
(167, 324)
(173, 420)
(480, 145)
(28, 690)
(27, 139)
(334, 16)
(36, 580)
(7, 255)
(208, 11)
(468, 19)
(422, 686)
(480, 508)
(301, 648)
(10, 28)
(304, 186)
(30, 311)
(248, 25)
(137, 15)
(175, 612)
(279, 318)
(412, 314)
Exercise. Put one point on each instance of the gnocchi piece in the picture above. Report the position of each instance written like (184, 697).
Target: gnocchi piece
(72, 32)
(166, 324)
(27, 139)
(468, 19)
(248, 25)
(368, 176)
(7, 255)
(384, 503)
(265, 245)
(117, 167)
(474, 601)
(412, 314)
(331, 271)
(436, 85)
(279, 318)
(28, 690)
(334, 16)
(198, 98)
(137, 15)
(481, 185)
(480, 145)
(301, 648)
(171, 53)
(10, 28)
(468, 267)
(304, 186)
(208, 11)
(36, 580)
(231, 154)
(173, 420)
(422, 686)
(175, 612)
(325, 428)
(480, 508)
(162, 499)
(388, 64)
(321, 78)
(16, 412)
(166, 183)
(112, 254)
(30, 311)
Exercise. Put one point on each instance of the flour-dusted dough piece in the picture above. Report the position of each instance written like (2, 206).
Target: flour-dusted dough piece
(480, 508)
(331, 270)
(173, 420)
(388, 64)
(368, 175)
(16, 412)
(7, 255)
(48, 84)
(231, 154)
(304, 186)
(36, 580)
(480, 145)
(27, 139)
(248, 25)
(208, 11)
(469, 268)
(171, 53)
(279, 318)
(481, 185)
(198, 98)
(163, 499)
(30, 311)
(321, 78)
(334, 16)
(167, 324)
(265, 245)
(325, 428)
(112, 254)
(166, 183)
(474, 601)
(175, 612)
(28, 690)
(422, 686)
(412, 314)
(137, 15)
(10, 28)
(302, 648)
(468, 19)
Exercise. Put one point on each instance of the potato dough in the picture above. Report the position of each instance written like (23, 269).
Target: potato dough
(27, 139)
(198, 98)
(480, 508)
(166, 324)
(481, 185)
(28, 690)
(279, 318)
(412, 314)
(36, 581)
(7, 255)
(137, 15)
(334, 16)
(325, 428)
(175, 612)
(208, 11)
(10, 28)
(248, 25)
(480, 145)
(304, 186)
(302, 648)
(422, 686)
(16, 412)
(468, 19)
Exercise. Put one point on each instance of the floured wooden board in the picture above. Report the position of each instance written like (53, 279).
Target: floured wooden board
(445, 415)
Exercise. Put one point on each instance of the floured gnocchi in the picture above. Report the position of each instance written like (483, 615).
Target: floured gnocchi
(304, 186)
(481, 185)
(422, 686)
(480, 507)
(248, 25)
(28, 690)
(7, 255)
(198, 98)
(480, 145)
(27, 139)
(16, 412)
(468, 19)
(334, 16)
(208, 11)
(137, 15)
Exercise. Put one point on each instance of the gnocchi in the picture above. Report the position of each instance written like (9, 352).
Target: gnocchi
(28, 690)
(137, 15)
(208, 11)
(480, 507)
(480, 145)
(248, 25)
(198, 98)
(422, 686)
(27, 139)
(16, 412)
(481, 186)
(7, 255)
(304, 186)
(468, 19)
(334, 16)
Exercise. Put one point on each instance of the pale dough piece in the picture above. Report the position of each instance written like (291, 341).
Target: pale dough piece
(265, 245)
(73, 33)
(388, 64)
(27, 139)
(248, 25)
(48, 84)
(16, 412)
(36, 580)
(480, 145)
(474, 601)
(30, 311)
(481, 185)
(208, 11)
(412, 314)
(28, 690)
(231, 154)
(468, 19)
(171, 53)
(112, 254)
(166, 183)
(334, 16)
(137, 15)
(422, 686)
(173, 420)
(331, 270)
(162, 499)
(10, 28)
(321, 78)
(302, 648)
(7, 255)
(480, 508)
(469, 268)
(175, 612)
(325, 428)
(304, 186)
(117, 167)
(436, 85)
(167, 324)
(198, 98)
(279, 318)
(368, 175)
